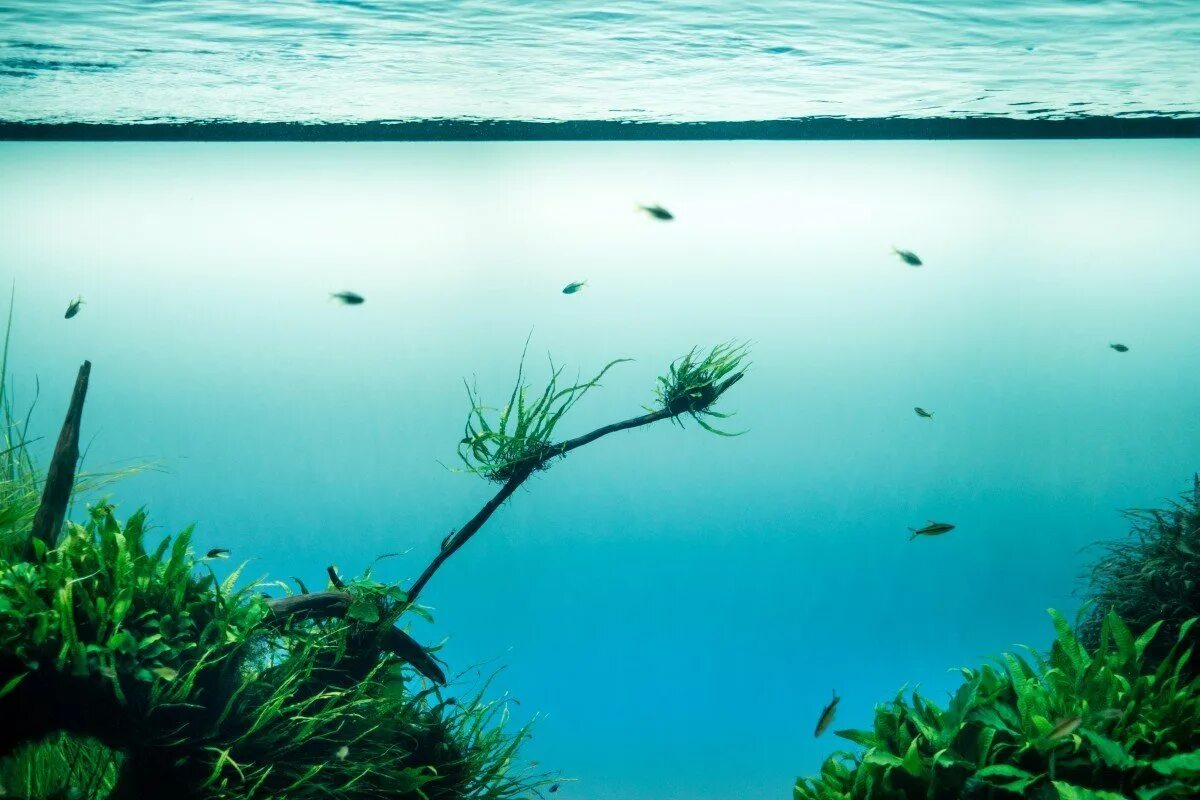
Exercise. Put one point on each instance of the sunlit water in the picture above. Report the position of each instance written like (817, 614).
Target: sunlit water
(678, 605)
(668, 60)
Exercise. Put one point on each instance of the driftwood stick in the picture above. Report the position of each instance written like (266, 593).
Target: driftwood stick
(456, 540)
(60, 477)
(318, 605)
(335, 605)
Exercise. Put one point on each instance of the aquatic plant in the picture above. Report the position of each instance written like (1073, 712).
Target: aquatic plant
(509, 454)
(128, 671)
(694, 382)
(1151, 576)
(205, 690)
(519, 436)
(1078, 724)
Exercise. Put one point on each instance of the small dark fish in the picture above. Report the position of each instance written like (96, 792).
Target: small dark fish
(1065, 727)
(1120, 348)
(932, 529)
(73, 308)
(658, 212)
(554, 788)
(349, 298)
(218, 552)
(826, 718)
(923, 413)
(572, 288)
(908, 257)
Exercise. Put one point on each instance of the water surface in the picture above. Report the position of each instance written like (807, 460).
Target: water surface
(668, 60)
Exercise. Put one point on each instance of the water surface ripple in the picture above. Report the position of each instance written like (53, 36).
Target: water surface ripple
(124, 61)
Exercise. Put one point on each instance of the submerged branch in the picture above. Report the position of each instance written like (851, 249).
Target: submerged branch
(526, 468)
(336, 605)
(60, 477)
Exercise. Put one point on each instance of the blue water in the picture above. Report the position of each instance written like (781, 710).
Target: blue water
(669, 60)
(676, 605)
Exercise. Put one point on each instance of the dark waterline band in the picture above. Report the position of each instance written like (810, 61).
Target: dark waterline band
(458, 130)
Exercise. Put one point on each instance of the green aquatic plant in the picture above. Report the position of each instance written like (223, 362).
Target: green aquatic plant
(509, 454)
(1078, 724)
(694, 381)
(1152, 575)
(519, 435)
(61, 767)
(130, 671)
(205, 690)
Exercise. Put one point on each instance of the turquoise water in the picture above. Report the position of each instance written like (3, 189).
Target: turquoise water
(672, 60)
(677, 605)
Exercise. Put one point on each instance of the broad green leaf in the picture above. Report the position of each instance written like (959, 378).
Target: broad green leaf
(363, 611)
(1183, 765)
(1067, 641)
(1144, 640)
(1122, 637)
(881, 758)
(1173, 789)
(1113, 753)
(1067, 791)
(912, 761)
(1001, 774)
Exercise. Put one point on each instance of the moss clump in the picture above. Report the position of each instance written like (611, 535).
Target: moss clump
(1100, 724)
(1152, 575)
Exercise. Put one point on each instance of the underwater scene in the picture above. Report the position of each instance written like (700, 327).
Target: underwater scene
(373, 428)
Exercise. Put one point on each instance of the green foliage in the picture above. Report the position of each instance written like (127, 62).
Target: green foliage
(694, 382)
(1100, 724)
(100, 604)
(518, 437)
(201, 691)
(1151, 576)
(60, 768)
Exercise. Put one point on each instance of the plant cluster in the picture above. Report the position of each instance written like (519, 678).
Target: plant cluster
(694, 382)
(131, 671)
(1151, 576)
(1080, 724)
(518, 438)
(202, 692)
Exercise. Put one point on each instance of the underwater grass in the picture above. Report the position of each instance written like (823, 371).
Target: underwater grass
(62, 767)
(1153, 575)
(1078, 724)
(518, 436)
(694, 381)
